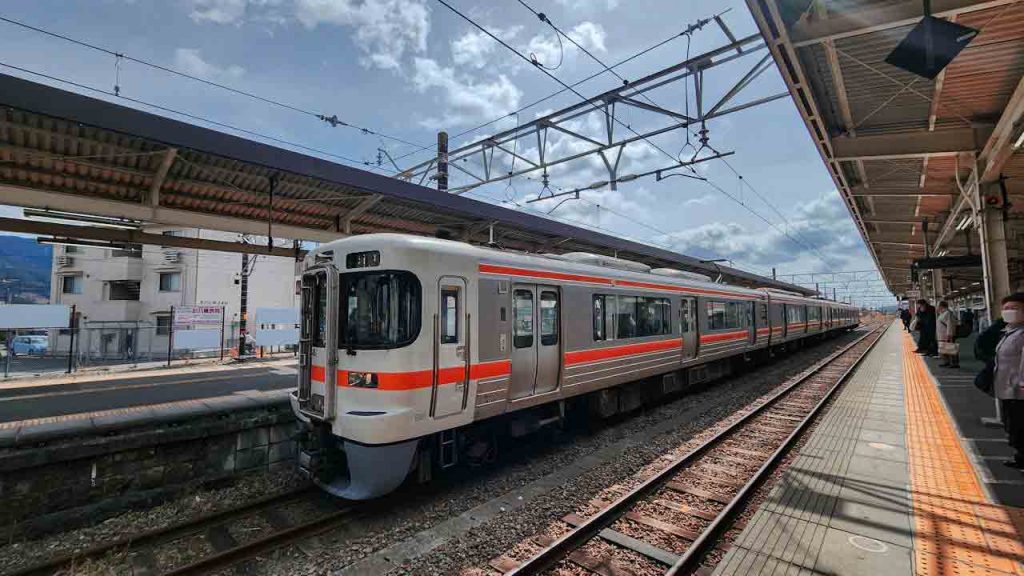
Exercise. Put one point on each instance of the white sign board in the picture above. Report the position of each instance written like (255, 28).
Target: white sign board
(277, 315)
(198, 317)
(34, 316)
(196, 340)
(277, 337)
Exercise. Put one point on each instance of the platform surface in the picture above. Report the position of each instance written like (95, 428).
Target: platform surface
(884, 485)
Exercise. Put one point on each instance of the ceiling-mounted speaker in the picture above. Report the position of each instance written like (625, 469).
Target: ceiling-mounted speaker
(931, 46)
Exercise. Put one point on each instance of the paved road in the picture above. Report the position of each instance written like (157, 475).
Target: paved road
(60, 399)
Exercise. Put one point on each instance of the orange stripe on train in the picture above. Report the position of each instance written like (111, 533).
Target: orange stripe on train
(593, 354)
(396, 381)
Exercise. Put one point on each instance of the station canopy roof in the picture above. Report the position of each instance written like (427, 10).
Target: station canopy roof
(897, 143)
(64, 151)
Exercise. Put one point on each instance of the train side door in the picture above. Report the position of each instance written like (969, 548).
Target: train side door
(785, 320)
(451, 349)
(549, 323)
(524, 341)
(536, 340)
(688, 327)
(318, 350)
(751, 323)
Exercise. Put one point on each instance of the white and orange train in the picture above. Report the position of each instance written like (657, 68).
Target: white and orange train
(415, 350)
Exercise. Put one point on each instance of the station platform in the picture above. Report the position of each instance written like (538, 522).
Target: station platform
(888, 484)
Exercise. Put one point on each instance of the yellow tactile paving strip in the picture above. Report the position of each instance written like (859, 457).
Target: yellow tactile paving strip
(957, 530)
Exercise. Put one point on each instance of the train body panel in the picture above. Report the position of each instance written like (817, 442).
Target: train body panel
(406, 337)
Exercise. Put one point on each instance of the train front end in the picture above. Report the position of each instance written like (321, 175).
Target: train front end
(362, 304)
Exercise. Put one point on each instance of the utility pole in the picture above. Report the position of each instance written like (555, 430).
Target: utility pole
(243, 303)
(442, 161)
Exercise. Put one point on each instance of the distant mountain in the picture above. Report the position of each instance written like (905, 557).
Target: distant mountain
(29, 262)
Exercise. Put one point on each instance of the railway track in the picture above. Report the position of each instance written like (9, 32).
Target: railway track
(215, 541)
(673, 521)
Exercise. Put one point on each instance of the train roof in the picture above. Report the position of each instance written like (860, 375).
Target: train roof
(548, 263)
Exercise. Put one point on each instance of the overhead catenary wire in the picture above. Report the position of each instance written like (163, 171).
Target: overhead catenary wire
(194, 117)
(333, 119)
(688, 32)
(554, 94)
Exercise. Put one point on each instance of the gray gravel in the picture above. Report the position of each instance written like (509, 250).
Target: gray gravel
(247, 488)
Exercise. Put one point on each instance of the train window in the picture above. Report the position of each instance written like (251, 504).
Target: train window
(653, 317)
(522, 318)
(685, 314)
(625, 317)
(380, 310)
(548, 318)
(726, 315)
(716, 315)
(604, 311)
(813, 313)
(762, 315)
(449, 315)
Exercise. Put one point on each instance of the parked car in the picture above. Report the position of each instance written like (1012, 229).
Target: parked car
(30, 345)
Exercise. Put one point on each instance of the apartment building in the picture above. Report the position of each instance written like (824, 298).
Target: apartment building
(123, 298)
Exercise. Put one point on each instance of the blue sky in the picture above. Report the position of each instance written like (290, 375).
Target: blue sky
(410, 67)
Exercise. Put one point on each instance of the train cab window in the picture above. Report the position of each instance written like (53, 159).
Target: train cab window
(522, 318)
(379, 311)
(625, 317)
(449, 315)
(548, 318)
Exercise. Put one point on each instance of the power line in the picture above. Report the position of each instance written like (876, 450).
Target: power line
(554, 94)
(192, 116)
(688, 32)
(333, 119)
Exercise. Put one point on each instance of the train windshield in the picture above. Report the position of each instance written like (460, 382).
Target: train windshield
(379, 310)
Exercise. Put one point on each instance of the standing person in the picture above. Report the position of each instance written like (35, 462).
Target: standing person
(926, 342)
(1009, 376)
(945, 333)
(905, 318)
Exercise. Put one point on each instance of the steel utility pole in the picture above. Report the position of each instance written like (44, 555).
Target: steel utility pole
(442, 161)
(243, 303)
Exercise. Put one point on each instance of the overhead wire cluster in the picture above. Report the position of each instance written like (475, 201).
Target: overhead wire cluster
(702, 134)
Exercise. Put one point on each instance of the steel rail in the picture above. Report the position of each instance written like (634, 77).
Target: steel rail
(699, 548)
(221, 560)
(160, 535)
(561, 548)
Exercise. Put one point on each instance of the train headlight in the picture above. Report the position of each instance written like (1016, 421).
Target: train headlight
(362, 380)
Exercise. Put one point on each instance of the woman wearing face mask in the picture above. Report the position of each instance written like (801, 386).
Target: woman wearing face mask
(1009, 375)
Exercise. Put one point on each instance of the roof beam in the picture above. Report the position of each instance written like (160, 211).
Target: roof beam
(138, 237)
(345, 222)
(161, 175)
(881, 17)
(44, 200)
(909, 144)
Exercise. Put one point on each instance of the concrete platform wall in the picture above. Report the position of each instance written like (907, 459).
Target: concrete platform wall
(58, 472)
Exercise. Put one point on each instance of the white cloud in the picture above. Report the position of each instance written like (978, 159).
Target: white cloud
(474, 47)
(385, 30)
(549, 52)
(465, 99)
(218, 11)
(191, 61)
(821, 226)
(589, 5)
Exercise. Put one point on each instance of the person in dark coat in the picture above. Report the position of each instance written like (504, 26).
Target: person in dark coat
(905, 318)
(926, 342)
